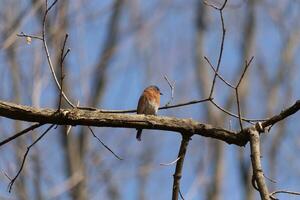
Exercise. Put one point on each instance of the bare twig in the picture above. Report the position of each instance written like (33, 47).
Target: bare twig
(258, 175)
(236, 116)
(170, 163)
(247, 64)
(238, 107)
(284, 192)
(47, 51)
(34, 126)
(62, 76)
(185, 104)
(236, 92)
(104, 144)
(215, 7)
(172, 90)
(50, 7)
(12, 181)
(22, 34)
(221, 47)
(43, 39)
(271, 180)
(181, 196)
(134, 110)
(217, 73)
(179, 165)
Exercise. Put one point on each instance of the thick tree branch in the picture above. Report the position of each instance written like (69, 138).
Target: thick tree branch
(179, 165)
(258, 175)
(283, 114)
(96, 118)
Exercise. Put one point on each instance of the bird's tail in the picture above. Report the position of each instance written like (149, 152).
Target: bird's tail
(139, 134)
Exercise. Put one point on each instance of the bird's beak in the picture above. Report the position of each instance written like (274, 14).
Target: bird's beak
(161, 93)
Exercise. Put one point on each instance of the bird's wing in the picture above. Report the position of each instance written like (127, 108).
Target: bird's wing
(141, 105)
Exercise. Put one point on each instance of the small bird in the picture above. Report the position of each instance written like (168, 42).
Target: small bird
(148, 104)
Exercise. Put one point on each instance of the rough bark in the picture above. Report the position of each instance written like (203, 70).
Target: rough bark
(96, 118)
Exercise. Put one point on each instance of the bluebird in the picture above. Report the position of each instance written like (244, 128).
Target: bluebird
(148, 104)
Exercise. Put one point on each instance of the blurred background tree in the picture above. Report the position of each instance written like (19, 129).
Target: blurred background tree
(118, 48)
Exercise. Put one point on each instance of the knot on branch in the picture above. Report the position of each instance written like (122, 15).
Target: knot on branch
(177, 176)
(259, 127)
(61, 113)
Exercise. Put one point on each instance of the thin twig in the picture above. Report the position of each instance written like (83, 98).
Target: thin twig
(238, 107)
(216, 71)
(172, 90)
(50, 7)
(170, 163)
(185, 104)
(247, 64)
(226, 82)
(284, 192)
(104, 144)
(134, 110)
(62, 58)
(22, 34)
(43, 39)
(181, 196)
(179, 165)
(215, 7)
(67, 52)
(223, 6)
(236, 116)
(211, 5)
(34, 126)
(12, 181)
(48, 54)
(271, 180)
(221, 47)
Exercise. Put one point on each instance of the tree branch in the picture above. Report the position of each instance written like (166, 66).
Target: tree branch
(105, 146)
(34, 126)
(179, 165)
(44, 40)
(12, 181)
(97, 118)
(258, 175)
(221, 47)
(283, 192)
(283, 114)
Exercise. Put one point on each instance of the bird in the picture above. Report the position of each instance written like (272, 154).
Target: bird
(148, 104)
